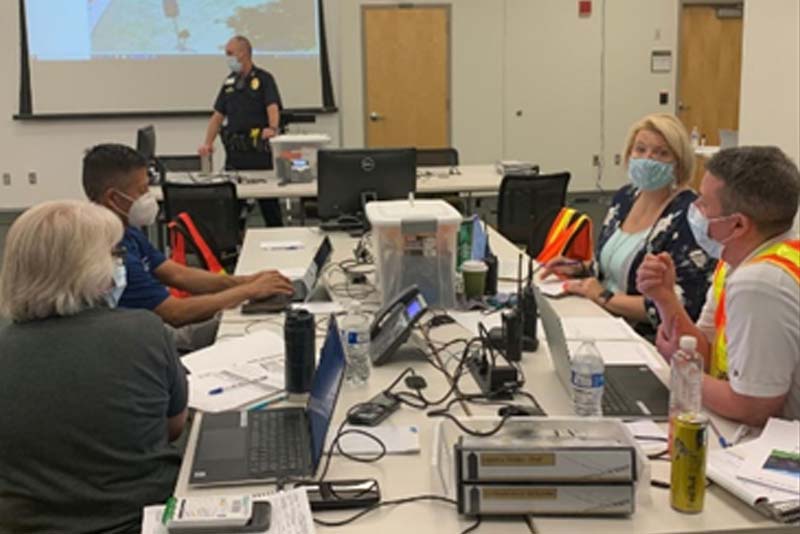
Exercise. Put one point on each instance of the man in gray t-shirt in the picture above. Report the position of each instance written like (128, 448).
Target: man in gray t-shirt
(84, 408)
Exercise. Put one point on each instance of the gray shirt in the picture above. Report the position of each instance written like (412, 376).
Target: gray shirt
(84, 402)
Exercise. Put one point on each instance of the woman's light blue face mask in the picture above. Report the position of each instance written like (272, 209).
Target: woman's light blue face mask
(649, 174)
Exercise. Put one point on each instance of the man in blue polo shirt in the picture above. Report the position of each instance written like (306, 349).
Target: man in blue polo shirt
(116, 177)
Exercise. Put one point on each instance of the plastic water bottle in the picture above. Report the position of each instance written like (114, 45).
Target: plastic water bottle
(695, 137)
(588, 380)
(686, 381)
(355, 337)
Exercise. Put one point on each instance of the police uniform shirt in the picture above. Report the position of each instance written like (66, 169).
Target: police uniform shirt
(244, 100)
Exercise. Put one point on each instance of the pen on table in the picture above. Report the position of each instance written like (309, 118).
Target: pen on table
(740, 433)
(722, 441)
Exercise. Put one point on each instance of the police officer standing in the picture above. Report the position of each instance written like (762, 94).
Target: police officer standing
(246, 114)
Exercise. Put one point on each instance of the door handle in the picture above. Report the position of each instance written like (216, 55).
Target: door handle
(375, 116)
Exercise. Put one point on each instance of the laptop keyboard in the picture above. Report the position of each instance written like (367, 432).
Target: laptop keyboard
(615, 401)
(278, 442)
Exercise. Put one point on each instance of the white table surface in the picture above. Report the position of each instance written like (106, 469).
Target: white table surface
(473, 179)
(406, 475)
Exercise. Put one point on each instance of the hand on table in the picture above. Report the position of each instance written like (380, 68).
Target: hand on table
(562, 267)
(591, 288)
(268, 283)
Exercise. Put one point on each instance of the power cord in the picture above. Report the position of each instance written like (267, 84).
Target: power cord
(393, 502)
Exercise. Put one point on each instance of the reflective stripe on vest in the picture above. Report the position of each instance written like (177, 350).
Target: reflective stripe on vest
(562, 231)
(785, 255)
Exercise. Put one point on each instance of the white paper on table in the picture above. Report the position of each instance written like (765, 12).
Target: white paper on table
(470, 320)
(552, 288)
(151, 520)
(319, 308)
(509, 269)
(241, 384)
(403, 439)
(281, 245)
(644, 429)
(234, 350)
(622, 353)
(291, 512)
(774, 459)
(598, 329)
(724, 464)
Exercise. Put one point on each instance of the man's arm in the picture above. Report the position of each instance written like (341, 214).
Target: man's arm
(274, 116)
(719, 397)
(193, 280)
(214, 124)
(179, 312)
(176, 424)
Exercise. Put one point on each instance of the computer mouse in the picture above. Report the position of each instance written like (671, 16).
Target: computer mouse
(516, 410)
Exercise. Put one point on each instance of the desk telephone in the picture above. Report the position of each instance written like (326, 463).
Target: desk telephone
(393, 324)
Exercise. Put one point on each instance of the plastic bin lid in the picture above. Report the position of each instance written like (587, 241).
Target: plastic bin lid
(397, 211)
(301, 138)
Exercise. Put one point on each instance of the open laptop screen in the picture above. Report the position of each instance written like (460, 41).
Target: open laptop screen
(325, 389)
(320, 258)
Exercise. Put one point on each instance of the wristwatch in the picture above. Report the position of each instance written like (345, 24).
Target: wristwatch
(605, 296)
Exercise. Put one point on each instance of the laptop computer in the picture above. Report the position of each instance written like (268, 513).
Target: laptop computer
(247, 447)
(304, 289)
(630, 390)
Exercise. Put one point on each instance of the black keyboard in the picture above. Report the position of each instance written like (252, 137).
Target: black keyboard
(279, 443)
(615, 401)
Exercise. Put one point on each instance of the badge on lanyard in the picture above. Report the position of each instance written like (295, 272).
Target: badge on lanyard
(255, 84)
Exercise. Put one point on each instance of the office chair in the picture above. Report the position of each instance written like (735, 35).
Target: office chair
(214, 207)
(437, 157)
(528, 205)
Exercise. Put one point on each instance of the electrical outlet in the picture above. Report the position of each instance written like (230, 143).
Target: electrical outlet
(32, 178)
(6, 178)
(617, 159)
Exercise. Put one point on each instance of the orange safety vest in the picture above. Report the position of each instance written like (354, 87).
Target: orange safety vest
(181, 230)
(785, 255)
(570, 235)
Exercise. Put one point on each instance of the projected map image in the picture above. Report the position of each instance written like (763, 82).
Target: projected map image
(168, 27)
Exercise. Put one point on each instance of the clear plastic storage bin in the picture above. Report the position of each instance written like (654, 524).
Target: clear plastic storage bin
(294, 156)
(416, 244)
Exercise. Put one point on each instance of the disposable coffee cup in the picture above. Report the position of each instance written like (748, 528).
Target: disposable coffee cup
(474, 273)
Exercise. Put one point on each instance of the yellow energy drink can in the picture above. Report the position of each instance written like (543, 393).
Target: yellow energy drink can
(688, 455)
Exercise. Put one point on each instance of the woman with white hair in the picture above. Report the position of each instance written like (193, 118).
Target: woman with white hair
(647, 215)
(90, 395)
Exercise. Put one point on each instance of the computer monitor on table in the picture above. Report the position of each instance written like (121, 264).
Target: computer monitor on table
(348, 179)
(146, 142)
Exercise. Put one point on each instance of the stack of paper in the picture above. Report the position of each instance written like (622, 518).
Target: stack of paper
(765, 473)
(598, 329)
(236, 372)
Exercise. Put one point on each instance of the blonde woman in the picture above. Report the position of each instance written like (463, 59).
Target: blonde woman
(646, 215)
(90, 395)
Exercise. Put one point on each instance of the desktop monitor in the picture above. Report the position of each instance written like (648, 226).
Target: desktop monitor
(348, 179)
(146, 142)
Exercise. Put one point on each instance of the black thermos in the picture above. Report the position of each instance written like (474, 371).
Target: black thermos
(491, 275)
(299, 335)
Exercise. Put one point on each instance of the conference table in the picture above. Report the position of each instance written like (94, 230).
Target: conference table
(414, 474)
(465, 179)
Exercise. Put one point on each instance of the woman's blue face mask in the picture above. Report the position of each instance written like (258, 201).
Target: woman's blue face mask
(649, 174)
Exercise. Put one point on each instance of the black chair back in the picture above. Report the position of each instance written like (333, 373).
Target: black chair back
(214, 207)
(528, 205)
(437, 157)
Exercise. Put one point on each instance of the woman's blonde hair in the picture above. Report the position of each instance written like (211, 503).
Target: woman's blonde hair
(671, 129)
(58, 260)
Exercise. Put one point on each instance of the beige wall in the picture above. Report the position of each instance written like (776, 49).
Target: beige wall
(769, 111)
(770, 102)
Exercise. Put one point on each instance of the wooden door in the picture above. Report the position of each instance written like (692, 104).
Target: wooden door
(406, 75)
(709, 78)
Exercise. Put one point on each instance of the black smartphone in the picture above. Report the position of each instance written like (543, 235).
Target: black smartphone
(374, 410)
(341, 494)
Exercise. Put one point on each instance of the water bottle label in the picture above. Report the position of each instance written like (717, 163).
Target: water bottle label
(352, 338)
(588, 381)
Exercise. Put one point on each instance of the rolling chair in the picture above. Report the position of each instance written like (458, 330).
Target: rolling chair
(215, 208)
(437, 157)
(527, 206)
